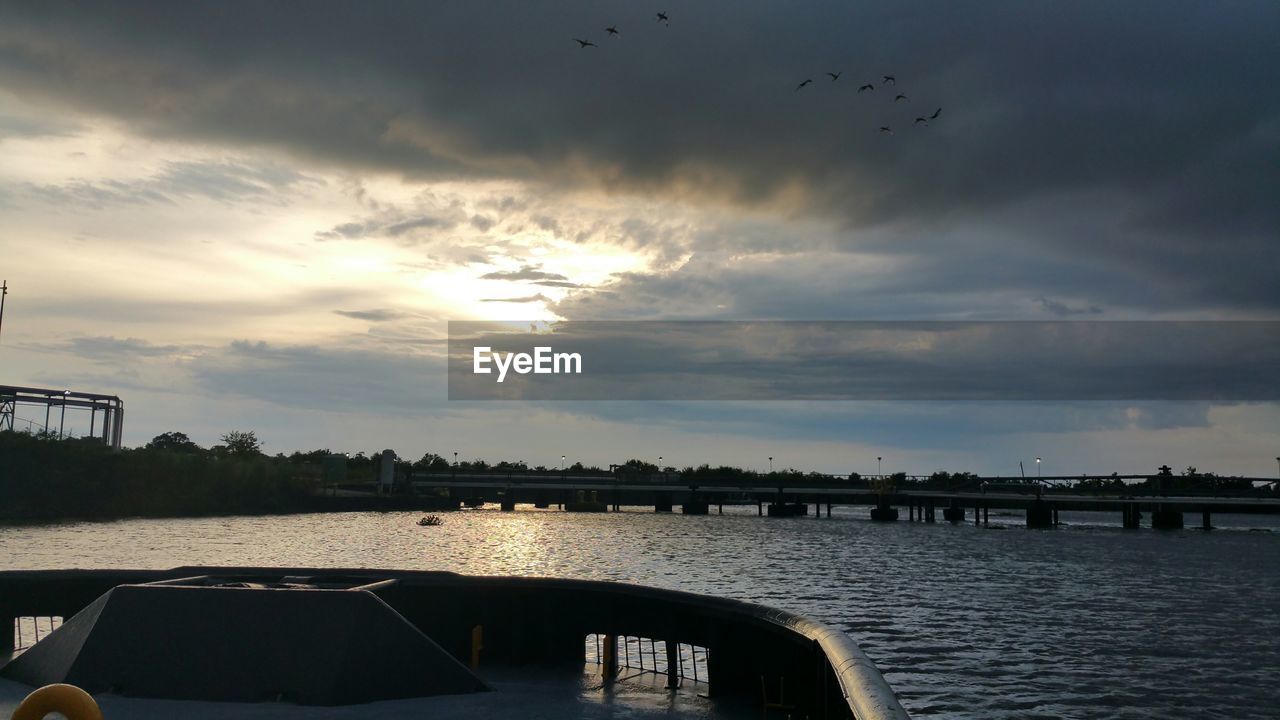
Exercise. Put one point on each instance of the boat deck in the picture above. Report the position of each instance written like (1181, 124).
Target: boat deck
(532, 693)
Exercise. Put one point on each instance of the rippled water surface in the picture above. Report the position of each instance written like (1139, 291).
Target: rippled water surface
(1085, 621)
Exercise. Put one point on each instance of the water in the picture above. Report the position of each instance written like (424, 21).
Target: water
(1086, 621)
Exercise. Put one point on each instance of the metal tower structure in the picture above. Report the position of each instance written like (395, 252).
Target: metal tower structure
(111, 406)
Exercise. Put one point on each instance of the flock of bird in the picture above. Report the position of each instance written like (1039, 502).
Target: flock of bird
(885, 81)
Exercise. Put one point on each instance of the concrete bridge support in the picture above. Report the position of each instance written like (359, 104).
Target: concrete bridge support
(1039, 515)
(695, 506)
(1131, 516)
(883, 512)
(662, 502)
(1165, 518)
(1204, 521)
(954, 514)
(788, 509)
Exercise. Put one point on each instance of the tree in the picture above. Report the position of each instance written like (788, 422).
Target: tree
(431, 461)
(242, 442)
(173, 442)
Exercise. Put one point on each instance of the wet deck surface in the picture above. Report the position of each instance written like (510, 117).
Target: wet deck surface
(517, 693)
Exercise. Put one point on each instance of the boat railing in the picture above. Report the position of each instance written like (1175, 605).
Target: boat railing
(728, 648)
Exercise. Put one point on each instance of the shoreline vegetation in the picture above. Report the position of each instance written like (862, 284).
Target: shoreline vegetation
(44, 479)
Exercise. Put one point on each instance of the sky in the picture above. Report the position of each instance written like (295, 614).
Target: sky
(262, 215)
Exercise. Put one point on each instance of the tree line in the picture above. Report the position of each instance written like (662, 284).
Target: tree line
(45, 478)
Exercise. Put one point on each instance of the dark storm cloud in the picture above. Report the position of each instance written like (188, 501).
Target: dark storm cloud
(403, 230)
(221, 181)
(326, 378)
(526, 299)
(528, 272)
(24, 126)
(1054, 361)
(430, 223)
(1061, 309)
(106, 309)
(113, 349)
(1168, 111)
(374, 315)
(320, 378)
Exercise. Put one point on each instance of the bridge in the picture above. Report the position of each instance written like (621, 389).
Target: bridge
(786, 495)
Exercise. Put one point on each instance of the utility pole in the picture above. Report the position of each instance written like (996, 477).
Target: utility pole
(4, 290)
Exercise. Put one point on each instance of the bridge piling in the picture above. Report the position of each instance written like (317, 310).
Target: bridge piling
(1131, 516)
(1039, 514)
(1204, 521)
(883, 512)
(1166, 518)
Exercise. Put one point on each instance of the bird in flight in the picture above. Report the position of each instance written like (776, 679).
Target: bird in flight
(935, 114)
(886, 129)
(584, 44)
(868, 86)
(662, 18)
(613, 30)
(890, 80)
(835, 76)
(902, 97)
(806, 82)
(919, 120)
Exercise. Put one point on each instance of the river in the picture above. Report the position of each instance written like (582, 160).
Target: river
(1083, 621)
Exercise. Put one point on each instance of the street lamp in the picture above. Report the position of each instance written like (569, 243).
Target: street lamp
(879, 472)
(1038, 476)
(62, 422)
(562, 463)
(770, 464)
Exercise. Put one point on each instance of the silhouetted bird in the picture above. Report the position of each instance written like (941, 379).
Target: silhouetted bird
(662, 18)
(902, 97)
(612, 30)
(935, 114)
(886, 128)
(921, 120)
(584, 44)
(890, 80)
(835, 76)
(806, 82)
(868, 86)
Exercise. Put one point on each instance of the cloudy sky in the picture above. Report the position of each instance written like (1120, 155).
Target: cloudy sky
(261, 215)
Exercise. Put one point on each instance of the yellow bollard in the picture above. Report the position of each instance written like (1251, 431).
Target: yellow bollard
(69, 700)
(477, 644)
